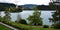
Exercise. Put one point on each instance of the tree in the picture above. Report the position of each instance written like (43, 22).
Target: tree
(56, 16)
(35, 19)
(7, 14)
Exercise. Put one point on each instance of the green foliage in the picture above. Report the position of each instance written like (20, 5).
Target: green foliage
(22, 21)
(1, 18)
(25, 27)
(7, 14)
(14, 9)
(35, 18)
(56, 16)
(2, 27)
(45, 26)
(56, 25)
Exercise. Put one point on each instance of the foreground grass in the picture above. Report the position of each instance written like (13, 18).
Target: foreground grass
(26, 27)
(4, 27)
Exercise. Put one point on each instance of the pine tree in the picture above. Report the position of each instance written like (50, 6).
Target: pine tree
(35, 19)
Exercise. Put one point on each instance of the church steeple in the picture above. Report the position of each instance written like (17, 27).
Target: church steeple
(16, 2)
(16, 6)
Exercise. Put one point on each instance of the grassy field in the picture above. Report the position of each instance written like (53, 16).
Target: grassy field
(32, 28)
(4, 28)
(24, 27)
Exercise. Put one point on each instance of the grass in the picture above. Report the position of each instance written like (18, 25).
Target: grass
(26, 27)
(4, 27)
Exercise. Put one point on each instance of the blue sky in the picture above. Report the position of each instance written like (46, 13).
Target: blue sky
(21, 2)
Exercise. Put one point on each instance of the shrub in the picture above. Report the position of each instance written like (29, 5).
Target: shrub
(45, 26)
(39, 24)
(23, 21)
(56, 26)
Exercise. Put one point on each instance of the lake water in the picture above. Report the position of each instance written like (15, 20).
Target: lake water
(24, 14)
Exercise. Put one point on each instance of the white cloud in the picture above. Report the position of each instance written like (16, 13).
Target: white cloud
(9, 1)
(21, 2)
(34, 2)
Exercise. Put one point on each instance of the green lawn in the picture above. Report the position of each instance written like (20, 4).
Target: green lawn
(4, 28)
(32, 28)
(24, 27)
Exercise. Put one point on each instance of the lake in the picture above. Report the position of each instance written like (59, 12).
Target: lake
(24, 14)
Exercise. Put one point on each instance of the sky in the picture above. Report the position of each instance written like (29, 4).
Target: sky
(22, 2)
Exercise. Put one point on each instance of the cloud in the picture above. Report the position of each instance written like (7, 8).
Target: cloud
(8, 1)
(21, 2)
(39, 2)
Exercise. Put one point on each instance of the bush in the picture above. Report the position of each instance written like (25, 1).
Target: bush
(45, 26)
(56, 26)
(23, 21)
(39, 24)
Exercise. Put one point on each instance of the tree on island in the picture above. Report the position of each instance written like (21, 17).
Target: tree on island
(35, 19)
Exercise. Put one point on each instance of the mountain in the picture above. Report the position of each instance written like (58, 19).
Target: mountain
(7, 4)
(28, 6)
